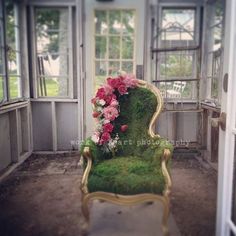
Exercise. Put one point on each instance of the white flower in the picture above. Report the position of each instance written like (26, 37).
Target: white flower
(102, 102)
(95, 137)
(106, 121)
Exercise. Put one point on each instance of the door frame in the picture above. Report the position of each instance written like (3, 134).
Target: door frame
(227, 138)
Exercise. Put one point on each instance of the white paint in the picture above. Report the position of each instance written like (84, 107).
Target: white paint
(226, 144)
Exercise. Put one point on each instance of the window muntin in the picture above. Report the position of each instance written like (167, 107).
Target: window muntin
(52, 49)
(175, 56)
(114, 43)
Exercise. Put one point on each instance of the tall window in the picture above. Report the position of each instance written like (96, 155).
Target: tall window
(10, 53)
(114, 43)
(214, 64)
(175, 55)
(2, 58)
(52, 48)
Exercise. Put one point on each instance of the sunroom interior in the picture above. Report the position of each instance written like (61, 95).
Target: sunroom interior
(54, 54)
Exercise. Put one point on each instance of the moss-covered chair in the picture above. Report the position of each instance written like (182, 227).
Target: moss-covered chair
(140, 170)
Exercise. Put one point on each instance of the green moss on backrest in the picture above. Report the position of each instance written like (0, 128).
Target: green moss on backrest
(136, 110)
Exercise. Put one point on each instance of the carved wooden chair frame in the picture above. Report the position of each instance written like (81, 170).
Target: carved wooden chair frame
(137, 198)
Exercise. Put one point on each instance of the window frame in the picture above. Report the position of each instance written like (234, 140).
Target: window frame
(70, 83)
(194, 88)
(6, 76)
(210, 52)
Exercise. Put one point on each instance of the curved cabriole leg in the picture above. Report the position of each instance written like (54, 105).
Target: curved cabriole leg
(85, 212)
(166, 212)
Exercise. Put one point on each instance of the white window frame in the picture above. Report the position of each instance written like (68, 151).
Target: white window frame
(209, 53)
(197, 7)
(53, 5)
(6, 88)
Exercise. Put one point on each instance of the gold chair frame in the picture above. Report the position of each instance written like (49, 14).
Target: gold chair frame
(128, 200)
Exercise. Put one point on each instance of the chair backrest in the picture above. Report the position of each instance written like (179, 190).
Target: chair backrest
(139, 110)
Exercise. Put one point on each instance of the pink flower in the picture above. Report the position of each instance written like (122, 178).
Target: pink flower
(130, 81)
(122, 89)
(108, 127)
(110, 113)
(108, 89)
(101, 93)
(96, 114)
(105, 137)
(93, 101)
(114, 103)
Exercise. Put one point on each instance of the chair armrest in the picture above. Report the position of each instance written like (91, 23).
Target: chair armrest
(86, 153)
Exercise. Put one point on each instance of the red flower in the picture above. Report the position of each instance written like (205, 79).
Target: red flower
(96, 114)
(122, 89)
(108, 128)
(94, 100)
(105, 137)
(123, 128)
(101, 93)
(108, 99)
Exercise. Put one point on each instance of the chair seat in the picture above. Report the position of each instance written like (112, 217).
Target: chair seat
(126, 175)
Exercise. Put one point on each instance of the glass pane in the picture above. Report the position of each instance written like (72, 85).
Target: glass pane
(100, 47)
(114, 47)
(52, 48)
(233, 216)
(217, 37)
(219, 11)
(127, 67)
(50, 19)
(51, 26)
(53, 65)
(13, 62)
(115, 26)
(2, 62)
(14, 86)
(216, 67)
(1, 87)
(128, 19)
(178, 89)
(12, 31)
(113, 68)
(176, 65)
(127, 47)
(53, 86)
(100, 68)
(101, 22)
(178, 26)
(52, 42)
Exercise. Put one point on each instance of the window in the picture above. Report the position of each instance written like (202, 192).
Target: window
(214, 62)
(10, 53)
(114, 43)
(52, 49)
(2, 58)
(175, 58)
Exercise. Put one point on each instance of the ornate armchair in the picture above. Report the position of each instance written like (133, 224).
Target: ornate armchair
(139, 170)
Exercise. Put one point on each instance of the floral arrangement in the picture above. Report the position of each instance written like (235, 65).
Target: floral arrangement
(106, 110)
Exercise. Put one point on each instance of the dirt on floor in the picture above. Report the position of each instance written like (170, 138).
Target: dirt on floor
(42, 197)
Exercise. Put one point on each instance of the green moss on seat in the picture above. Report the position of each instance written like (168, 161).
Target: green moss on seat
(126, 175)
(137, 165)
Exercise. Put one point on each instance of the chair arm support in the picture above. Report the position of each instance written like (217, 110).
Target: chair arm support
(86, 154)
(165, 158)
